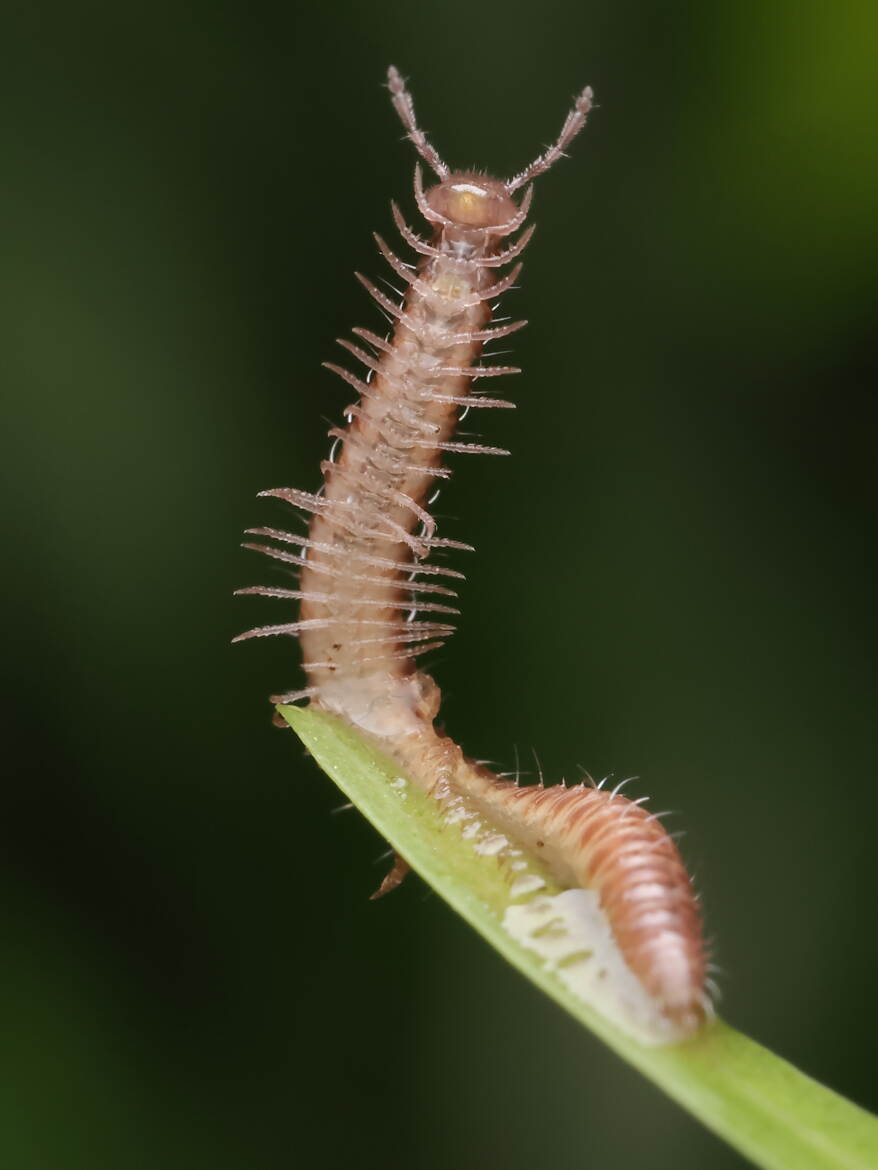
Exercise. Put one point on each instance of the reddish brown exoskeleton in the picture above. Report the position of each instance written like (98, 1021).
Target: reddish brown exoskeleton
(371, 600)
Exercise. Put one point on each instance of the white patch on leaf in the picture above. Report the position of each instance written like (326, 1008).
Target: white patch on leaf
(570, 933)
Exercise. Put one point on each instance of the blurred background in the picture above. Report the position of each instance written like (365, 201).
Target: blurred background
(673, 576)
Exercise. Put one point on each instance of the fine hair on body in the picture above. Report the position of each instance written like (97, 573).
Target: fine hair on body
(371, 600)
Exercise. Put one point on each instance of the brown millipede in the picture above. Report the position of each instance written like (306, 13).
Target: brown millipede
(365, 577)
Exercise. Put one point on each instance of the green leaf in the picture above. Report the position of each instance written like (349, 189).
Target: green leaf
(759, 1103)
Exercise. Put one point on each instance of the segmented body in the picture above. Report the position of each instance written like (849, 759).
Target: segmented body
(366, 575)
(599, 840)
(371, 601)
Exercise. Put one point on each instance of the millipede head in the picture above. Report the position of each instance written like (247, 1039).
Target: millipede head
(472, 201)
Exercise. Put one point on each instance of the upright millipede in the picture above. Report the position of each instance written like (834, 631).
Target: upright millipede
(371, 601)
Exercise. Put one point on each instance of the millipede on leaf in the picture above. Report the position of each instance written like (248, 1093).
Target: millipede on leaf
(371, 602)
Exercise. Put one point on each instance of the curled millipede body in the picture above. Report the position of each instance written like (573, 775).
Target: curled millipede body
(597, 840)
(371, 600)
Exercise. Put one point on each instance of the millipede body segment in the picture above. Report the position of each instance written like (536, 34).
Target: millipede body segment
(371, 600)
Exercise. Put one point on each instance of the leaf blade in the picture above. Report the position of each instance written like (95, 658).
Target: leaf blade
(761, 1104)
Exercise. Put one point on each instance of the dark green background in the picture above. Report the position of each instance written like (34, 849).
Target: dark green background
(673, 575)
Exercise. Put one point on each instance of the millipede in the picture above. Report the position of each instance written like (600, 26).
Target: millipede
(371, 601)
